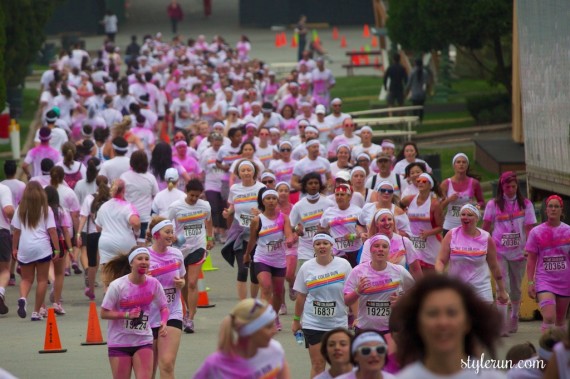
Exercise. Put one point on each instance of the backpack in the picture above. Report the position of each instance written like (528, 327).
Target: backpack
(60, 235)
(375, 177)
(72, 179)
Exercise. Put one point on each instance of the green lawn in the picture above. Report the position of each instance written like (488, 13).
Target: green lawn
(30, 105)
(447, 154)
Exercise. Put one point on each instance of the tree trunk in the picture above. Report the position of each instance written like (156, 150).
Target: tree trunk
(503, 76)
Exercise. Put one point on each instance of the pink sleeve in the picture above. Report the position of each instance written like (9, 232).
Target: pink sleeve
(529, 215)
(65, 219)
(352, 282)
(478, 192)
(489, 215)
(532, 241)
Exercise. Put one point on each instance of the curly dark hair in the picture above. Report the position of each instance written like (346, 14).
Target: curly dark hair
(161, 159)
(312, 175)
(485, 321)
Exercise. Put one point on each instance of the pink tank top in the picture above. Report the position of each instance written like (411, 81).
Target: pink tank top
(420, 220)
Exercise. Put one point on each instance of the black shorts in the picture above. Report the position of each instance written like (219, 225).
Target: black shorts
(41, 260)
(274, 271)
(91, 242)
(196, 257)
(174, 323)
(5, 245)
(144, 226)
(126, 351)
(313, 337)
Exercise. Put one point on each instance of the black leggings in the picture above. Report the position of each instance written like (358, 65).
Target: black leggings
(92, 244)
(217, 204)
(243, 269)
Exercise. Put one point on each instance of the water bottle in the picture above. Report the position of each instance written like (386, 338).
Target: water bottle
(299, 337)
(180, 240)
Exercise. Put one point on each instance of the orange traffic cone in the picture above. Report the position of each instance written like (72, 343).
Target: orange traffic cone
(343, 42)
(374, 42)
(283, 39)
(355, 59)
(203, 301)
(335, 33)
(278, 40)
(366, 31)
(94, 336)
(52, 343)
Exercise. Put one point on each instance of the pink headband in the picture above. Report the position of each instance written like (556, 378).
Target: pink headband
(507, 176)
(343, 188)
(180, 143)
(554, 197)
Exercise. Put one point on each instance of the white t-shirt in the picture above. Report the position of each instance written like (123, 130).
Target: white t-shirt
(110, 22)
(117, 234)
(418, 370)
(335, 121)
(164, 199)
(270, 359)
(320, 166)
(324, 129)
(324, 306)
(85, 211)
(34, 242)
(283, 170)
(265, 154)
(341, 223)
(114, 168)
(68, 199)
(5, 201)
(189, 222)
(82, 189)
(342, 139)
(243, 200)
(165, 267)
(308, 215)
(374, 307)
(400, 167)
(139, 191)
(228, 155)
(178, 106)
(214, 175)
(17, 188)
(123, 295)
(373, 150)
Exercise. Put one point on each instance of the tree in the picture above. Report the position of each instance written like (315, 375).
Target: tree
(425, 25)
(2, 48)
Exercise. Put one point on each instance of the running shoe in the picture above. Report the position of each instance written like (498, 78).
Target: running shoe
(43, 311)
(12, 281)
(189, 326)
(283, 309)
(22, 307)
(292, 294)
(76, 269)
(514, 327)
(3, 307)
(58, 309)
(67, 272)
(278, 324)
(36, 316)
(90, 294)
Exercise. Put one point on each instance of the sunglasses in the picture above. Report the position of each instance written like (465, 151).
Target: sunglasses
(386, 190)
(268, 181)
(424, 181)
(285, 150)
(367, 350)
(353, 125)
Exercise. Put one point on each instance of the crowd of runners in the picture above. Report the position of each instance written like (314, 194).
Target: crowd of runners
(145, 162)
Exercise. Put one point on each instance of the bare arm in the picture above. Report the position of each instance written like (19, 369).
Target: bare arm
(295, 182)
(299, 308)
(496, 271)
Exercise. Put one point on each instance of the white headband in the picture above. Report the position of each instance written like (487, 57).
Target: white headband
(366, 128)
(323, 236)
(342, 145)
(311, 129)
(472, 208)
(388, 144)
(283, 184)
(160, 225)
(266, 317)
(285, 143)
(381, 212)
(118, 148)
(382, 237)
(428, 177)
(269, 192)
(384, 183)
(459, 155)
(366, 337)
(356, 169)
(311, 142)
(246, 163)
(268, 175)
(274, 130)
(363, 155)
(140, 250)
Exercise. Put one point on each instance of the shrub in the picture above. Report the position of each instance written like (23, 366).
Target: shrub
(490, 108)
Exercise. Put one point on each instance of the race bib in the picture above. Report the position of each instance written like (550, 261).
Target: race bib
(419, 243)
(324, 308)
(245, 219)
(343, 243)
(310, 231)
(455, 210)
(192, 230)
(170, 294)
(133, 325)
(378, 308)
(556, 263)
(274, 246)
(511, 239)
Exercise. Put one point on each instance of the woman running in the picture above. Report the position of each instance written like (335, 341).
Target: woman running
(343, 159)
(127, 305)
(246, 348)
(88, 239)
(166, 265)
(408, 154)
(411, 174)
(369, 354)
(270, 233)
(33, 230)
(283, 168)
(462, 188)
(246, 151)
(472, 256)
(335, 349)
(242, 209)
(424, 212)
(548, 266)
(169, 195)
(320, 301)
(511, 217)
(342, 221)
(194, 236)
(385, 190)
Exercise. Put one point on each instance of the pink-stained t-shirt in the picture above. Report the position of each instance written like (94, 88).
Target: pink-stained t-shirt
(374, 301)
(551, 245)
(342, 223)
(420, 219)
(468, 261)
(402, 251)
(165, 267)
(509, 227)
(37, 154)
(271, 242)
(123, 296)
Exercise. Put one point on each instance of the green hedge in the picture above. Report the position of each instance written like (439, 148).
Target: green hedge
(489, 109)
